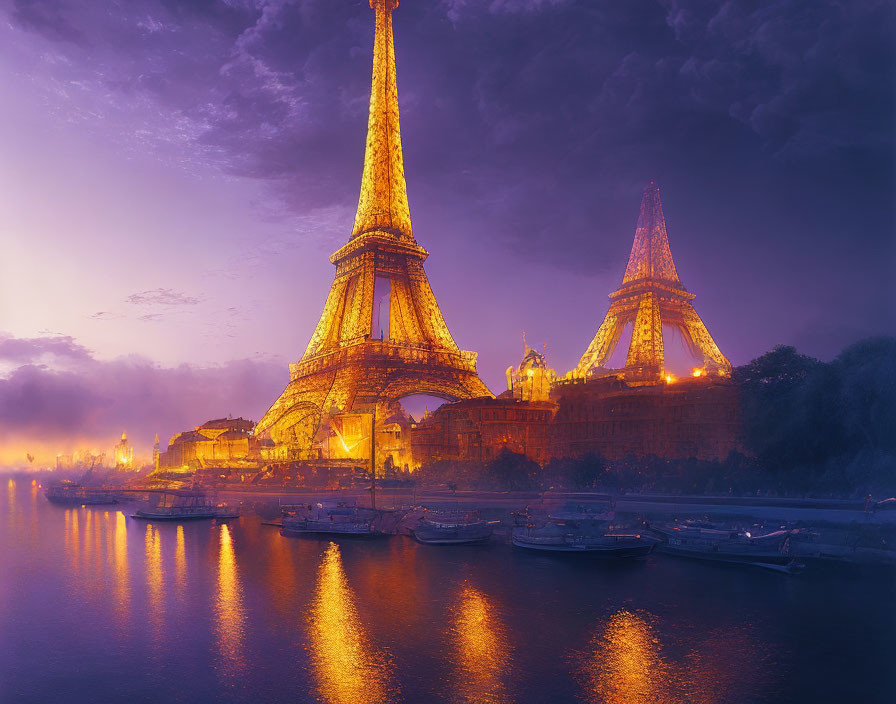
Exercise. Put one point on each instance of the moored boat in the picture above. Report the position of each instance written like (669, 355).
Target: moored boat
(716, 542)
(329, 518)
(455, 528)
(184, 505)
(70, 494)
(583, 537)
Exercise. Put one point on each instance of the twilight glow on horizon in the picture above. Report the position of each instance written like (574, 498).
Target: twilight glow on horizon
(174, 177)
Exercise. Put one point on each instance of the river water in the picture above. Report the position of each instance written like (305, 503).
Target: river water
(98, 607)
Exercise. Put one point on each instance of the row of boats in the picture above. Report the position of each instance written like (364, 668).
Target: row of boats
(575, 530)
(571, 532)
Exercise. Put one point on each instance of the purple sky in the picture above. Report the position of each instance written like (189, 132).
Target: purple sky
(174, 175)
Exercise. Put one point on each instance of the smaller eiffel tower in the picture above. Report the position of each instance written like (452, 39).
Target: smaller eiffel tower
(650, 297)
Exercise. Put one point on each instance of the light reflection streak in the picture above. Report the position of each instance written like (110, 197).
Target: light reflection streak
(75, 545)
(88, 527)
(99, 534)
(11, 501)
(66, 530)
(154, 580)
(121, 582)
(481, 650)
(627, 666)
(180, 563)
(347, 669)
(229, 612)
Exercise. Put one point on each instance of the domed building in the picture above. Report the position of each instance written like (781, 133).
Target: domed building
(531, 380)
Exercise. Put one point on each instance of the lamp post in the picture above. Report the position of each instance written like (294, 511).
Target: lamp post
(373, 458)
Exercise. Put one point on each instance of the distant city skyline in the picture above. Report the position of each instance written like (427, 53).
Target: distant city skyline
(174, 182)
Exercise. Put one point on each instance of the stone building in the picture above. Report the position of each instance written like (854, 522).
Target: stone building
(224, 442)
(478, 429)
(692, 417)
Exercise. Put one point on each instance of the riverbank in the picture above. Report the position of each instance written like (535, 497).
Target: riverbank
(763, 509)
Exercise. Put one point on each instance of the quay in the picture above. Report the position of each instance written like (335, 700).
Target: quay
(827, 510)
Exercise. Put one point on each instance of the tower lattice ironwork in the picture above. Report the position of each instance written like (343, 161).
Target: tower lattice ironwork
(651, 296)
(346, 365)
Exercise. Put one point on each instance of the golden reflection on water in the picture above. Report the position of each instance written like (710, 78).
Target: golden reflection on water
(99, 535)
(75, 539)
(627, 666)
(347, 669)
(120, 556)
(481, 651)
(155, 585)
(11, 501)
(180, 563)
(88, 535)
(229, 613)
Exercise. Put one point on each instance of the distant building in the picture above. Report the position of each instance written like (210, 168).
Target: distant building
(223, 442)
(123, 454)
(155, 453)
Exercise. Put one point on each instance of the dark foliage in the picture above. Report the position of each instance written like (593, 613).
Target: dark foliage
(512, 471)
(828, 426)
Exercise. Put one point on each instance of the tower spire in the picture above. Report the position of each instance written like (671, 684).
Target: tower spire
(651, 257)
(347, 364)
(383, 204)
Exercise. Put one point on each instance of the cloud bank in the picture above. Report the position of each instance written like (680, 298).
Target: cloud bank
(56, 396)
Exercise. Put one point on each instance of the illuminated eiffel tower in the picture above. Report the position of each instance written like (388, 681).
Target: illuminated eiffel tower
(651, 296)
(351, 364)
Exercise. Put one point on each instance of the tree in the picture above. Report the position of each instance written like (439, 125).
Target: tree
(512, 471)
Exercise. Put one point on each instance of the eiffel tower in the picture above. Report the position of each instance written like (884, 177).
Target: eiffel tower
(650, 297)
(349, 365)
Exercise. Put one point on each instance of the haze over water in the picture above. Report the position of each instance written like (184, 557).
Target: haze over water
(98, 607)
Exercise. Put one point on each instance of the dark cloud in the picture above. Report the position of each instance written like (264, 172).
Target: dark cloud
(93, 400)
(47, 17)
(531, 125)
